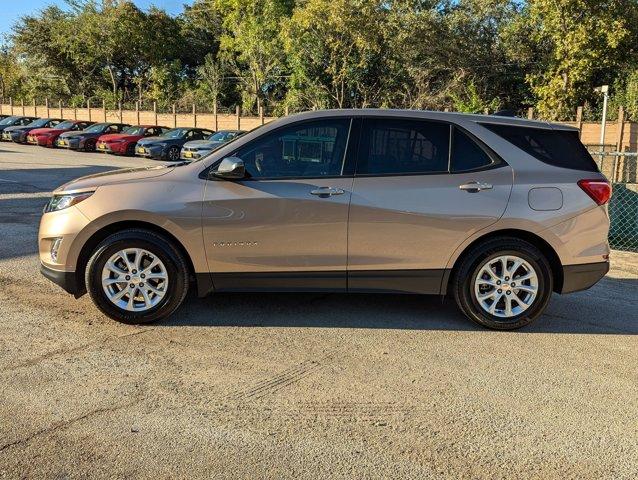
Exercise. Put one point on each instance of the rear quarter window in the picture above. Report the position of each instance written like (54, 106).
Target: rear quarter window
(560, 148)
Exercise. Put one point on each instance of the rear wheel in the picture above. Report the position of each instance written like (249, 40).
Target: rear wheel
(137, 276)
(130, 150)
(504, 283)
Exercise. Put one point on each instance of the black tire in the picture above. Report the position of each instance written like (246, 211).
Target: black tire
(130, 150)
(172, 154)
(171, 257)
(89, 145)
(469, 268)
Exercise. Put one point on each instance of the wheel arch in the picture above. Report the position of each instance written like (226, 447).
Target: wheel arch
(546, 249)
(94, 240)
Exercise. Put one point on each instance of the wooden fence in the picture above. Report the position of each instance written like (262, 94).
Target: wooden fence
(620, 135)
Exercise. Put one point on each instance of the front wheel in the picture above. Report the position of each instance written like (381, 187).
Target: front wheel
(503, 284)
(137, 276)
(173, 154)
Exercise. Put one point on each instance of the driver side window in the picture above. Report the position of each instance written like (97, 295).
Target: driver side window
(303, 150)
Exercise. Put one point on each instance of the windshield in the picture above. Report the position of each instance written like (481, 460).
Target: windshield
(39, 123)
(64, 125)
(97, 128)
(220, 136)
(175, 133)
(133, 130)
(232, 140)
(8, 120)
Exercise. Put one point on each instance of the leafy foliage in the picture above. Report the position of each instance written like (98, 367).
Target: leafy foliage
(468, 55)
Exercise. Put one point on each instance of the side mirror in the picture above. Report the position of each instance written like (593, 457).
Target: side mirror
(231, 168)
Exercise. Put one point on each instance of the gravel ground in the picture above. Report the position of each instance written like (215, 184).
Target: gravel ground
(302, 386)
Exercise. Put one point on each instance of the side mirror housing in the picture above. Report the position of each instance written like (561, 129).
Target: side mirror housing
(231, 168)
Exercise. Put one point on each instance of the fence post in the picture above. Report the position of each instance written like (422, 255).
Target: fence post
(174, 116)
(286, 111)
(35, 108)
(530, 113)
(11, 104)
(137, 111)
(46, 106)
(75, 112)
(620, 163)
(155, 110)
(104, 109)
(215, 115)
(446, 109)
(61, 110)
(194, 116)
(579, 121)
(120, 112)
(22, 102)
(486, 111)
(238, 114)
(88, 107)
(261, 114)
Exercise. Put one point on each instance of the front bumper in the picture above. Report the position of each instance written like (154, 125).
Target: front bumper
(152, 152)
(33, 140)
(193, 154)
(66, 280)
(73, 144)
(582, 277)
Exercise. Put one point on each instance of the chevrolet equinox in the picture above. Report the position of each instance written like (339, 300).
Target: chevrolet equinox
(497, 212)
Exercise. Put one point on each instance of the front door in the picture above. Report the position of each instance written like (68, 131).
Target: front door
(415, 201)
(284, 227)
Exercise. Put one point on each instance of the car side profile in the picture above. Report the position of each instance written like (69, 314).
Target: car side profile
(196, 149)
(86, 139)
(15, 121)
(18, 134)
(168, 145)
(495, 212)
(124, 143)
(47, 137)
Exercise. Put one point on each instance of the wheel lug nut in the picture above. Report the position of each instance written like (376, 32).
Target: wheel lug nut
(506, 278)
(128, 277)
(134, 272)
(143, 276)
(141, 284)
(509, 292)
(132, 285)
(498, 282)
(500, 291)
(513, 284)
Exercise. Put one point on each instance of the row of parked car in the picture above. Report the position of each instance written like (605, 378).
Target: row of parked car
(151, 141)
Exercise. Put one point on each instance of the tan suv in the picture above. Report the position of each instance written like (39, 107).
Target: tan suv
(498, 212)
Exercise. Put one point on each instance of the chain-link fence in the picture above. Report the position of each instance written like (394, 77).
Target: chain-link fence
(621, 170)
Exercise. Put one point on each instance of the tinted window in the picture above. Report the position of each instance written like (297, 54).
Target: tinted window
(308, 149)
(467, 154)
(403, 146)
(561, 148)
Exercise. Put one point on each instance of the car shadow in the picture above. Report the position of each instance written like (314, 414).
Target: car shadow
(607, 308)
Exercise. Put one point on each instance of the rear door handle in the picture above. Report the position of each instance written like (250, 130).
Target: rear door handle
(324, 192)
(474, 187)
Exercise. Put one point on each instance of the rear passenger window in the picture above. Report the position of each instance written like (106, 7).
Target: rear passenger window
(403, 147)
(560, 148)
(467, 154)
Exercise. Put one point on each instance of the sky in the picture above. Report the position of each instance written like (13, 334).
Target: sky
(11, 10)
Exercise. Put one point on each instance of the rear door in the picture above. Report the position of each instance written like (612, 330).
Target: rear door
(421, 188)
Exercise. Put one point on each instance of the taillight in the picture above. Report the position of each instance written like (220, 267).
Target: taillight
(598, 190)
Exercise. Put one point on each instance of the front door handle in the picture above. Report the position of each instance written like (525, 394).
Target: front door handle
(325, 192)
(474, 187)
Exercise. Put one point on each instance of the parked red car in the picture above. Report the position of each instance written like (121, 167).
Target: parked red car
(124, 143)
(46, 137)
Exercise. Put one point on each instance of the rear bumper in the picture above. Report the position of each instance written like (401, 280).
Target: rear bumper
(582, 277)
(66, 280)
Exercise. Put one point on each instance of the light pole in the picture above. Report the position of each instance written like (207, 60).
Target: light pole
(605, 91)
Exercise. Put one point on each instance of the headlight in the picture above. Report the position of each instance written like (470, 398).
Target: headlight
(60, 202)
